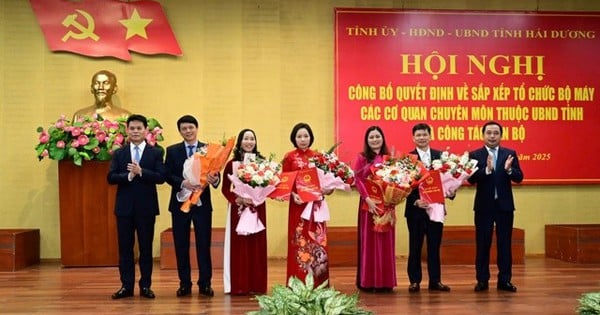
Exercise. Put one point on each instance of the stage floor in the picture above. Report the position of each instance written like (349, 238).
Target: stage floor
(545, 286)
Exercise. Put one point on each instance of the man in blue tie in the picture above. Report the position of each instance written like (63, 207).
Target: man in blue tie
(136, 169)
(494, 205)
(200, 214)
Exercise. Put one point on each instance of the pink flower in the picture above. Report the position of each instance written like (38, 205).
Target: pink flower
(151, 139)
(86, 138)
(109, 124)
(83, 140)
(119, 139)
(76, 132)
(101, 136)
(44, 137)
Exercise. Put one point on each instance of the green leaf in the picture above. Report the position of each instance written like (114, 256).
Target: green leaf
(77, 160)
(58, 132)
(57, 153)
(153, 123)
(310, 282)
(72, 152)
(301, 298)
(333, 147)
(92, 144)
(85, 155)
(589, 303)
(103, 155)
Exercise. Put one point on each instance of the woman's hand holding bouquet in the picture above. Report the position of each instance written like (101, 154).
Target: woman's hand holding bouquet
(253, 180)
(333, 173)
(389, 184)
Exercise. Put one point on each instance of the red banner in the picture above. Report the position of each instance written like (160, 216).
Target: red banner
(534, 73)
(105, 27)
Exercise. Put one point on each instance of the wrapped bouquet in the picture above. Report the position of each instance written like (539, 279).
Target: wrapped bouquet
(453, 170)
(390, 183)
(253, 179)
(333, 173)
(209, 159)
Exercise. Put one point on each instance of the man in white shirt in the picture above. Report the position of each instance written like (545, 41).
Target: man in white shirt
(419, 223)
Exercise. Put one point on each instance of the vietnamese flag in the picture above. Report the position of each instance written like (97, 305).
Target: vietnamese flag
(159, 37)
(105, 27)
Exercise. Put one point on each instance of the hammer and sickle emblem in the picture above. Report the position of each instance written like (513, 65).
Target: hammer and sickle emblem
(84, 32)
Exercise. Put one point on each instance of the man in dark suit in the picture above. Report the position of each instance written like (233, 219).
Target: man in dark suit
(494, 204)
(419, 223)
(200, 214)
(136, 168)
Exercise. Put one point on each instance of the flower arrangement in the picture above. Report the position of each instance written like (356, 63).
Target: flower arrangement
(208, 159)
(390, 183)
(328, 162)
(88, 138)
(403, 171)
(259, 172)
(455, 164)
(453, 170)
(253, 179)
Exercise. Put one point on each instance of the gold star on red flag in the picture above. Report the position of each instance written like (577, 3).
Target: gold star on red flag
(136, 25)
(106, 27)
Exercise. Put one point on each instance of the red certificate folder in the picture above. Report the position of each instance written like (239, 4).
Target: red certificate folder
(375, 192)
(308, 186)
(283, 190)
(431, 188)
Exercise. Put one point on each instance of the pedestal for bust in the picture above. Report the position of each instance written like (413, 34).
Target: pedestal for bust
(88, 232)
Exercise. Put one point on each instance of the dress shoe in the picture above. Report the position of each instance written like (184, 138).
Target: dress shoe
(414, 287)
(438, 287)
(207, 291)
(122, 293)
(481, 286)
(147, 293)
(506, 286)
(184, 291)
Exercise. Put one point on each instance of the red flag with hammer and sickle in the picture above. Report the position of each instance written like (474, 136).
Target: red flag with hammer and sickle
(100, 28)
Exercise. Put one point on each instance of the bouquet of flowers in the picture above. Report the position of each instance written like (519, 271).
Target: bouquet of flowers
(88, 138)
(453, 170)
(253, 179)
(390, 183)
(333, 173)
(209, 159)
